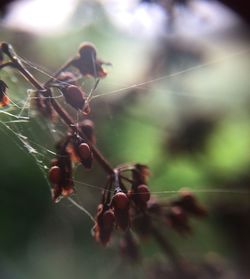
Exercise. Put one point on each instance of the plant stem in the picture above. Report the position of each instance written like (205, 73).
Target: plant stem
(57, 73)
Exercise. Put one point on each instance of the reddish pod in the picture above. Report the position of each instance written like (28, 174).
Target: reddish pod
(143, 193)
(120, 201)
(74, 96)
(84, 151)
(55, 174)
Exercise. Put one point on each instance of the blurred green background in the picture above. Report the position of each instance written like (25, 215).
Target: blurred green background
(177, 101)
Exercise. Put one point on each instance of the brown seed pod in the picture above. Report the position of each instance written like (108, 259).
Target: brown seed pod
(143, 193)
(74, 96)
(120, 201)
(84, 151)
(55, 174)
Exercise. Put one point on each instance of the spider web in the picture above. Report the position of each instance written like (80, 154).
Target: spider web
(17, 117)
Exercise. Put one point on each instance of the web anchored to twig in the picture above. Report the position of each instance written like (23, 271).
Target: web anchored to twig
(126, 201)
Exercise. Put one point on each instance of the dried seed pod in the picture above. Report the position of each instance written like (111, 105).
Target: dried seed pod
(74, 96)
(120, 201)
(85, 155)
(84, 151)
(143, 193)
(55, 174)
(104, 226)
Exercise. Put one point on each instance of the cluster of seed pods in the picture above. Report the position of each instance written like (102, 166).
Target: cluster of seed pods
(116, 210)
(72, 149)
(126, 201)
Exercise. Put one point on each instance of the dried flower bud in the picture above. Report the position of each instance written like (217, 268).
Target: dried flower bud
(4, 99)
(74, 96)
